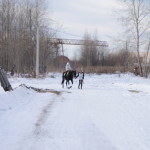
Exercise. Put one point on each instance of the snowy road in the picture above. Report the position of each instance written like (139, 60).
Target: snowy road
(110, 113)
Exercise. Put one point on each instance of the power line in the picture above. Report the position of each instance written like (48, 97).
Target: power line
(65, 32)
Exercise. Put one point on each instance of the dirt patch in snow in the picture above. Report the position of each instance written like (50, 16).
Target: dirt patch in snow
(41, 90)
(134, 91)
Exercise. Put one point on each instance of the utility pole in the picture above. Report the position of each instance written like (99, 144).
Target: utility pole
(37, 41)
(37, 52)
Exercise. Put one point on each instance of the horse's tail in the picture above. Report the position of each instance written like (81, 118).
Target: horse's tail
(62, 81)
(63, 78)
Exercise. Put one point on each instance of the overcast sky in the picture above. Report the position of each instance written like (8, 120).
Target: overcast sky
(80, 16)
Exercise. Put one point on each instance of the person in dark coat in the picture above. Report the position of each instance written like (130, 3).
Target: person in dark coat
(81, 78)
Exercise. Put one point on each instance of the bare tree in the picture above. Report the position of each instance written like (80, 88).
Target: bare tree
(147, 61)
(18, 19)
(89, 51)
(136, 16)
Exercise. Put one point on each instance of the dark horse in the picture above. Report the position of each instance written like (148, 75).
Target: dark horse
(68, 77)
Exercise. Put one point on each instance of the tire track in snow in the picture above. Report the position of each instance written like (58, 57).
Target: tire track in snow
(43, 115)
(32, 139)
(42, 118)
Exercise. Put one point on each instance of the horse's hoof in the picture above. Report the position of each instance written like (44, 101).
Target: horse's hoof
(69, 87)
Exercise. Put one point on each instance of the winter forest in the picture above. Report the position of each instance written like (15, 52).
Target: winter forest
(18, 38)
(74, 75)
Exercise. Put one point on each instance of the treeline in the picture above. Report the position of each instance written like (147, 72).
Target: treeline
(95, 58)
(19, 20)
(18, 27)
(135, 17)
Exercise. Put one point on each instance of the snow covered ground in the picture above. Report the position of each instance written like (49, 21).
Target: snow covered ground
(112, 112)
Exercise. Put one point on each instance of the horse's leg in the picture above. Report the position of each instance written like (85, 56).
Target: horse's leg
(62, 83)
(66, 83)
(69, 83)
(63, 79)
(72, 81)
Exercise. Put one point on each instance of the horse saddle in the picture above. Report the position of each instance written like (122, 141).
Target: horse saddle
(66, 73)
